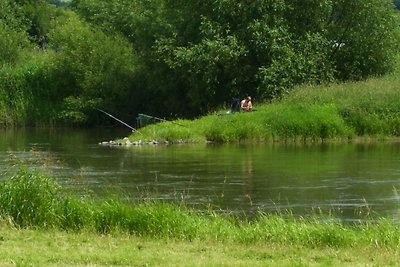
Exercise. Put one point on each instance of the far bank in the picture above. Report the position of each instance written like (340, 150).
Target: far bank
(368, 110)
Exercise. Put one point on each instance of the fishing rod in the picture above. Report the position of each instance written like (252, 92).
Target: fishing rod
(108, 114)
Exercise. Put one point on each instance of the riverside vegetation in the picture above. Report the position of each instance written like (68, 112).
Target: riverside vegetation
(115, 231)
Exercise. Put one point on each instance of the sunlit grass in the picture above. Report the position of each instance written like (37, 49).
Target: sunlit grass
(369, 108)
(26, 247)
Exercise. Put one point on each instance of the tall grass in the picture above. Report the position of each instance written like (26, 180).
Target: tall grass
(29, 199)
(369, 108)
(33, 200)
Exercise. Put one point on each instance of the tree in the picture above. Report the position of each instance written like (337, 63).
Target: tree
(252, 47)
(195, 55)
(192, 56)
(397, 3)
(364, 37)
(97, 66)
(12, 44)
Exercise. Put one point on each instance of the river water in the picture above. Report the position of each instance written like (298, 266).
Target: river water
(352, 181)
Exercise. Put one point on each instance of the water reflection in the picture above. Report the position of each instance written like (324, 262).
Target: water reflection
(350, 180)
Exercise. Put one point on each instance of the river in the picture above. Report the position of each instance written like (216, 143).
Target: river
(352, 181)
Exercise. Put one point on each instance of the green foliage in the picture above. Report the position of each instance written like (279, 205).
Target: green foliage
(196, 55)
(365, 37)
(304, 62)
(60, 3)
(97, 62)
(97, 67)
(14, 95)
(277, 46)
(185, 58)
(31, 92)
(11, 15)
(175, 133)
(74, 110)
(156, 219)
(202, 67)
(40, 15)
(13, 37)
(236, 128)
(12, 44)
(28, 81)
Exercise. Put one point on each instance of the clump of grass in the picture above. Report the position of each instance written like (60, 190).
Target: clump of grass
(174, 132)
(29, 199)
(145, 219)
(73, 213)
(232, 128)
(303, 122)
(312, 232)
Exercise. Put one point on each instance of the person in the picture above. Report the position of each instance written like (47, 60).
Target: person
(246, 104)
(235, 105)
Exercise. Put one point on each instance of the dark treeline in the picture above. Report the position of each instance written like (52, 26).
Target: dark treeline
(172, 58)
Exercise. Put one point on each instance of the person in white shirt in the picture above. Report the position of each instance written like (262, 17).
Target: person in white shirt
(246, 104)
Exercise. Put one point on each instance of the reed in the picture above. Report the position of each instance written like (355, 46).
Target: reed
(32, 200)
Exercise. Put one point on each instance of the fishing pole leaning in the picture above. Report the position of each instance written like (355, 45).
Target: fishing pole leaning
(124, 123)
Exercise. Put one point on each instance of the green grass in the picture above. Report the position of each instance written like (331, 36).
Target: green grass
(27, 247)
(367, 109)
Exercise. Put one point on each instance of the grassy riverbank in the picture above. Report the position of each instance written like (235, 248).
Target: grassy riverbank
(368, 109)
(43, 224)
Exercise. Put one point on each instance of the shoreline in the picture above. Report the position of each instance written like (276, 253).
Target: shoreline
(126, 142)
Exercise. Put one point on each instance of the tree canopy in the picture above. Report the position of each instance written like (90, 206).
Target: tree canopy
(184, 58)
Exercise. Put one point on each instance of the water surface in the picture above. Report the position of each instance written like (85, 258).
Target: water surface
(350, 180)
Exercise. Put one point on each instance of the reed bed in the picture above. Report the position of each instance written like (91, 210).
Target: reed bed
(33, 200)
